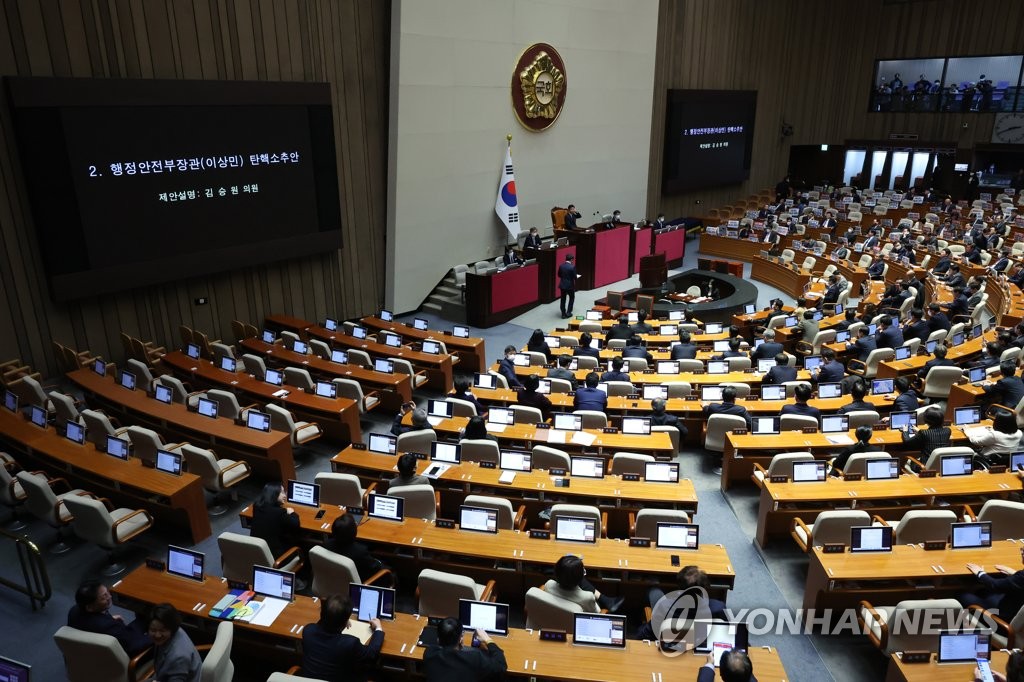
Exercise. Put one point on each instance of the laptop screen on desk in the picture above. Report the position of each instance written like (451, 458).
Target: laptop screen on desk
(710, 393)
(326, 389)
(764, 365)
(74, 433)
(515, 460)
(575, 529)
(773, 392)
(713, 328)
(392, 340)
(749, 309)
(431, 347)
(807, 472)
(208, 408)
(962, 647)
(339, 356)
(387, 316)
(192, 350)
(811, 362)
(565, 422)
(971, 535)
(587, 467)
(163, 393)
(636, 425)
(902, 353)
(1017, 461)
(271, 582)
(383, 366)
(358, 332)
(370, 601)
(976, 374)
(330, 324)
(881, 469)
(835, 423)
(964, 416)
(117, 447)
(668, 367)
(652, 391)
(484, 380)
(446, 452)
(440, 408)
(227, 363)
(185, 563)
(718, 367)
(300, 347)
(955, 465)
(11, 401)
(420, 324)
(38, 416)
(881, 386)
(661, 472)
(259, 421)
(268, 336)
(274, 377)
(168, 462)
(386, 507)
(478, 519)
(300, 492)
(599, 629)
(765, 425)
(901, 421)
(678, 535)
(491, 617)
(501, 415)
(871, 539)
(721, 345)
(842, 336)
(382, 443)
(100, 367)
(126, 379)
(460, 332)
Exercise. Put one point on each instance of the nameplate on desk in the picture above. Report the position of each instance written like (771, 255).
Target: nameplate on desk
(561, 482)
(928, 473)
(809, 429)
(639, 542)
(557, 471)
(739, 432)
(488, 465)
(358, 446)
(419, 455)
(853, 477)
(540, 534)
(633, 396)
(541, 426)
(752, 397)
(917, 656)
(237, 585)
(692, 397)
(630, 477)
(609, 429)
(750, 370)
(697, 371)
(444, 523)
(997, 469)
(650, 371)
(935, 545)
(553, 636)
(156, 564)
(355, 511)
(779, 478)
(833, 548)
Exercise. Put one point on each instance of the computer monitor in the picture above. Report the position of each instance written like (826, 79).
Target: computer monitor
(126, 379)
(258, 421)
(37, 415)
(273, 583)
(652, 391)
(790, 321)
(300, 492)
(835, 423)
(420, 324)
(228, 363)
(100, 367)
(386, 507)
(501, 415)
(11, 400)
(460, 332)
(839, 309)
(902, 353)
(564, 421)
(812, 362)
(300, 347)
(749, 309)
(515, 460)
(808, 472)
(575, 529)
(638, 426)
(383, 366)
(1017, 461)
(902, 421)
(339, 356)
(117, 447)
(667, 367)
(163, 393)
(721, 345)
(358, 332)
(74, 432)
(370, 601)
(710, 393)
(929, 346)
(633, 317)
(830, 390)
(326, 389)
(491, 617)
(872, 328)
(965, 416)
(773, 392)
(958, 338)
(871, 539)
(208, 408)
(192, 350)
(269, 336)
(14, 671)
(185, 563)
(483, 380)
(599, 629)
(544, 386)
(842, 336)
(976, 331)
(955, 465)
(480, 519)
(393, 340)
(661, 472)
(962, 647)
(431, 347)
(593, 315)
(587, 467)
(274, 377)
(719, 636)
(552, 341)
(713, 328)
(718, 367)
(169, 462)
(972, 535)
(446, 452)
(675, 315)
(382, 443)
(976, 374)
(669, 330)
(330, 324)
(763, 426)
(387, 316)
(881, 386)
(882, 469)
(764, 365)
(678, 535)
(521, 360)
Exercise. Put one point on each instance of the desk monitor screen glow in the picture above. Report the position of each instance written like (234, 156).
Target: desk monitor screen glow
(339, 356)
(300, 347)
(13, 671)
(393, 340)
(446, 452)
(75, 433)
(575, 529)
(593, 315)
(501, 415)
(259, 421)
(976, 374)
(790, 322)
(38, 416)
(661, 472)
(958, 338)
(718, 637)
(718, 367)
(274, 377)
(440, 408)
(976, 331)
(773, 392)
(835, 423)
(227, 363)
(387, 316)
(383, 366)
(208, 408)
(652, 391)
(710, 393)
(100, 367)
(640, 426)
(901, 421)
(271, 582)
(669, 330)
(765, 425)
(632, 318)
(929, 346)
(126, 379)
(678, 535)
(420, 324)
(1017, 461)
(721, 345)
(871, 539)
(478, 519)
(882, 469)
(972, 535)
(552, 341)
(11, 401)
(842, 336)
(268, 336)
(675, 315)
(481, 380)
(807, 472)
(668, 367)
(460, 332)
(713, 328)
(764, 365)
(117, 447)
(307, 494)
(955, 465)
(515, 460)
(881, 386)
(521, 360)
(330, 324)
(386, 507)
(565, 422)
(491, 617)
(962, 647)
(192, 350)
(370, 601)
(811, 362)
(163, 393)
(902, 353)
(382, 443)
(358, 332)
(168, 462)
(965, 416)
(431, 347)
(185, 563)
(599, 629)
(587, 467)
(750, 309)
(544, 386)
(326, 389)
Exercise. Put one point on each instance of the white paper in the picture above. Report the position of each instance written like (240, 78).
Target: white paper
(269, 612)
(973, 432)
(840, 440)
(556, 436)
(434, 421)
(507, 477)
(583, 438)
(358, 628)
(496, 428)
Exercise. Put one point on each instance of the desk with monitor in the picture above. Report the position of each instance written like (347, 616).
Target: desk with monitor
(471, 349)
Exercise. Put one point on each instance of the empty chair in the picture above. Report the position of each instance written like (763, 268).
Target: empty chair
(239, 553)
(525, 414)
(360, 358)
(629, 463)
(1007, 518)
(718, 426)
(353, 390)
(255, 365)
(781, 465)
(832, 526)
(738, 364)
(560, 385)
(30, 392)
(65, 408)
(857, 462)
(43, 503)
(673, 436)
(333, 573)
(98, 427)
(439, 592)
(421, 501)
(217, 666)
(545, 610)
(645, 523)
(218, 475)
(299, 377)
(548, 458)
(814, 347)
(301, 432)
(863, 418)
(536, 359)
(635, 364)
(869, 368)
(796, 422)
(678, 389)
(922, 525)
(403, 366)
(939, 381)
(568, 342)
(621, 388)
(227, 404)
(12, 495)
(615, 344)
(222, 350)
(345, 490)
(480, 450)
(693, 290)
(586, 362)
(146, 442)
(143, 377)
(579, 511)
(934, 616)
(508, 518)
(935, 458)
(179, 392)
(788, 255)
(592, 419)
(89, 656)
(591, 327)
(290, 337)
(808, 263)
(415, 441)
(108, 528)
(320, 349)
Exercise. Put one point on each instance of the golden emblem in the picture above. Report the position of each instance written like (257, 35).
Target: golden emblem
(538, 86)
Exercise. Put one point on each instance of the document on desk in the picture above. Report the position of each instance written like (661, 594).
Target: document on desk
(269, 611)
(496, 428)
(839, 439)
(556, 436)
(973, 432)
(583, 438)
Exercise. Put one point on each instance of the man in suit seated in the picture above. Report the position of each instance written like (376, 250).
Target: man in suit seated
(448, 660)
(1004, 592)
(727, 406)
(802, 393)
(570, 583)
(872, 241)
(830, 371)
(917, 328)
(849, 317)
(684, 350)
(769, 349)
(833, 290)
(733, 352)
(91, 613)
(329, 653)
(808, 327)
(734, 666)
(877, 269)
(562, 371)
(959, 304)
(507, 367)
(635, 349)
(953, 278)
(863, 345)
(571, 216)
(937, 319)
(590, 397)
(691, 580)
(620, 330)
(1009, 389)
(510, 257)
(896, 300)
(641, 326)
(906, 399)
(1002, 264)
(615, 373)
(584, 348)
(858, 389)
(888, 336)
(938, 361)
(532, 240)
(942, 265)
(659, 417)
(781, 372)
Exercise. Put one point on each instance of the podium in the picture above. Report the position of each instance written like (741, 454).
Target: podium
(672, 242)
(602, 254)
(653, 271)
(500, 296)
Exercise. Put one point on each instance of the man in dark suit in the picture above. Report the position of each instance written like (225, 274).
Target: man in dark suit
(684, 350)
(507, 367)
(953, 277)
(620, 330)
(906, 399)
(781, 372)
(590, 397)
(937, 319)
(562, 371)
(938, 361)
(769, 349)
(659, 417)
(901, 294)
(959, 304)
(635, 349)
(857, 403)
(615, 373)
(571, 216)
(771, 236)
(888, 336)
(1009, 389)
(802, 393)
(584, 348)
(532, 239)
(877, 269)
(833, 290)
(942, 265)
(641, 326)
(1017, 278)
(727, 406)
(872, 240)
(660, 222)
(1002, 264)
(328, 653)
(917, 328)
(734, 666)
(1004, 592)
(830, 371)
(91, 613)
(510, 257)
(448, 660)
(733, 352)
(567, 284)
(863, 345)
(695, 584)
(849, 317)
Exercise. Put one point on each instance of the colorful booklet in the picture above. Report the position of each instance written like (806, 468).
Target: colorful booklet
(235, 604)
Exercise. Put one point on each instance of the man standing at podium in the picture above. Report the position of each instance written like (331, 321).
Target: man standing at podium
(567, 282)
(571, 215)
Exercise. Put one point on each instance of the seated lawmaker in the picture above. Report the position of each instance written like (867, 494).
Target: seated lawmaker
(507, 367)
(995, 443)
(781, 372)
(620, 330)
(864, 344)
(329, 653)
(938, 361)
(1009, 389)
(590, 397)
(926, 440)
(937, 319)
(659, 417)
(476, 427)
(863, 444)
(802, 393)
(830, 370)
(570, 583)
(272, 520)
(906, 399)
(616, 373)
(888, 336)
(734, 350)
(916, 328)
(734, 666)
(584, 348)
(419, 419)
(91, 613)
(858, 389)
(463, 391)
(537, 344)
(727, 406)
(769, 349)
(510, 257)
(641, 326)
(407, 472)
(562, 371)
(531, 398)
(684, 350)
(448, 660)
(532, 240)
(635, 349)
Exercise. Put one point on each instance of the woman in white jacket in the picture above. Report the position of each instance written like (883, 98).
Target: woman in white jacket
(997, 441)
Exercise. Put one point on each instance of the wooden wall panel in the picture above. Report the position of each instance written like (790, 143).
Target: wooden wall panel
(812, 64)
(343, 42)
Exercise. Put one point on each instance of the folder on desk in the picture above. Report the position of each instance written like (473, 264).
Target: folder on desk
(232, 604)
